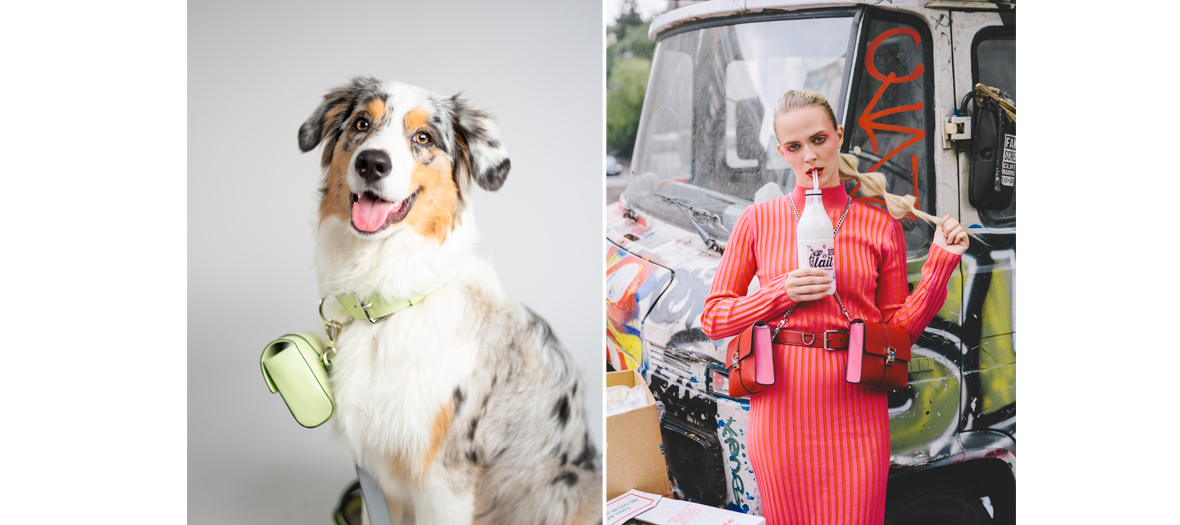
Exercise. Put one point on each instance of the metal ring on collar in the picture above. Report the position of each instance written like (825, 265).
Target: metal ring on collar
(331, 321)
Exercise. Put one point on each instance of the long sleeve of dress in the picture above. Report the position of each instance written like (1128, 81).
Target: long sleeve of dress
(915, 311)
(728, 310)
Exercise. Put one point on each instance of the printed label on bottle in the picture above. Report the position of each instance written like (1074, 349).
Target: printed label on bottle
(822, 256)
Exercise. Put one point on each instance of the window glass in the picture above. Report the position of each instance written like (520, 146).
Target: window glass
(664, 144)
(888, 121)
(995, 66)
(706, 137)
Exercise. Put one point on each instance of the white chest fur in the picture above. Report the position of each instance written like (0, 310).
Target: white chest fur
(395, 380)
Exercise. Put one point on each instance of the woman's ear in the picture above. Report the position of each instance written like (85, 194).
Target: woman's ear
(839, 136)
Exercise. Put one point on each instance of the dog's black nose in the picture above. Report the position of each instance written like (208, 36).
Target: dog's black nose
(372, 164)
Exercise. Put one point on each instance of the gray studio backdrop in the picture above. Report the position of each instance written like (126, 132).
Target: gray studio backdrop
(256, 70)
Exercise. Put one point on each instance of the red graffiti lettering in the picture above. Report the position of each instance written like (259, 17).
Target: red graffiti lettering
(867, 119)
(872, 68)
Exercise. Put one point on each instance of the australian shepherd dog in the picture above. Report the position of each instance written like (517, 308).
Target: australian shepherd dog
(463, 406)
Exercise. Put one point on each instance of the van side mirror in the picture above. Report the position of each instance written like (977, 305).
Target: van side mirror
(991, 183)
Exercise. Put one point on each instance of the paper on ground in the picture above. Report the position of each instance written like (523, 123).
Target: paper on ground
(675, 512)
(650, 508)
(629, 505)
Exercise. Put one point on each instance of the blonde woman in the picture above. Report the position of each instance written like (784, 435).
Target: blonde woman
(819, 445)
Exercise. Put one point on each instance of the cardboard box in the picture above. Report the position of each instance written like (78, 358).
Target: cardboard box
(634, 445)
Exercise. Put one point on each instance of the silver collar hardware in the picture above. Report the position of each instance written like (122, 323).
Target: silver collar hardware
(807, 342)
(369, 315)
(333, 329)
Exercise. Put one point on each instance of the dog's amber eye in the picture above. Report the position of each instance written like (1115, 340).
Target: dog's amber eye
(422, 138)
(361, 124)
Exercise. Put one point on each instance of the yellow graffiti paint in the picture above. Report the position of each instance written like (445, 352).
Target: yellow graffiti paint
(934, 409)
(997, 374)
(630, 346)
(997, 354)
(954, 290)
(954, 297)
(997, 305)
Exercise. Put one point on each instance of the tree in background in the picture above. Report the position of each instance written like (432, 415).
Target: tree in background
(628, 65)
(629, 17)
(625, 88)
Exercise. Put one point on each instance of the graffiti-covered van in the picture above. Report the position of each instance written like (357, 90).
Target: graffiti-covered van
(902, 78)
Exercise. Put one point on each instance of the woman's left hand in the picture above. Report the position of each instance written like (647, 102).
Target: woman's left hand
(951, 236)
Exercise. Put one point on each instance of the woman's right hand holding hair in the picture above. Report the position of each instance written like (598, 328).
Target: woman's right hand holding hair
(806, 284)
(951, 236)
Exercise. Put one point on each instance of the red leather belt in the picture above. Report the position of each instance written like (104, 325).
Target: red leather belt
(829, 340)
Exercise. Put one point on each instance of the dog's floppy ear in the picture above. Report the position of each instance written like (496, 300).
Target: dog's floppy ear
(480, 150)
(325, 123)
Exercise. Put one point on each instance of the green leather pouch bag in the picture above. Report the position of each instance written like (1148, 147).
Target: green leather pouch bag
(292, 366)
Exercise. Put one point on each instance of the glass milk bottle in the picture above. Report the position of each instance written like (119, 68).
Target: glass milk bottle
(817, 244)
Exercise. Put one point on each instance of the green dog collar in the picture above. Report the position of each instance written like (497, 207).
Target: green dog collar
(373, 308)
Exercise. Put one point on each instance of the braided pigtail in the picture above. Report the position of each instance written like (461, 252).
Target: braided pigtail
(874, 184)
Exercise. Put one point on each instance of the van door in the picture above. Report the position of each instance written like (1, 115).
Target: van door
(890, 126)
(985, 52)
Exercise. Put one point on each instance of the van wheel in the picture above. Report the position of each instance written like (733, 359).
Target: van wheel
(937, 505)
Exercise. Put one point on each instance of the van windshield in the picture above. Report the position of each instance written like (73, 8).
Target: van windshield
(706, 136)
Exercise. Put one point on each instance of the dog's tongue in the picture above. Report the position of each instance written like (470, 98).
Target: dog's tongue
(369, 213)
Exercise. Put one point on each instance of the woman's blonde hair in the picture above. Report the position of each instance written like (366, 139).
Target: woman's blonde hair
(870, 183)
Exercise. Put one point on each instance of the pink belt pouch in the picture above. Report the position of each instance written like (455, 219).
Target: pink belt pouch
(763, 355)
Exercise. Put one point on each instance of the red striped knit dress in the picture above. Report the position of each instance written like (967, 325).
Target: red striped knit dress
(819, 445)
